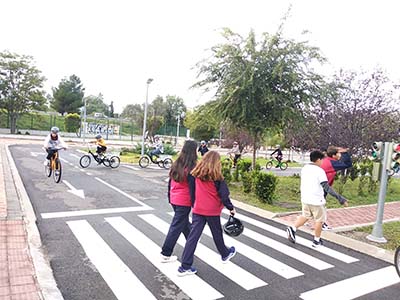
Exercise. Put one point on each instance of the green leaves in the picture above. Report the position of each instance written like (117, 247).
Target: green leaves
(68, 96)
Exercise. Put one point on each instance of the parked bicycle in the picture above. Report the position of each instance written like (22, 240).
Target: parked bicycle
(54, 166)
(163, 161)
(279, 164)
(107, 160)
(397, 260)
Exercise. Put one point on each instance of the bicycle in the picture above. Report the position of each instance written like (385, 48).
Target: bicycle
(54, 166)
(397, 260)
(273, 161)
(229, 161)
(107, 160)
(163, 161)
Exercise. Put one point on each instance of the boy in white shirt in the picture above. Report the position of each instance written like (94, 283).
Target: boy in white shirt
(313, 184)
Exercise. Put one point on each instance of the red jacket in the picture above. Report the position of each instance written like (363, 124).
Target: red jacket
(331, 166)
(179, 193)
(211, 197)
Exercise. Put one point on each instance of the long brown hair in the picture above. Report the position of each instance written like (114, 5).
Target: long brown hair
(209, 168)
(185, 162)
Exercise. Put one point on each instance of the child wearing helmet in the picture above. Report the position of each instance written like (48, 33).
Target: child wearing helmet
(52, 141)
(203, 149)
(236, 151)
(279, 154)
(101, 144)
(158, 146)
(211, 195)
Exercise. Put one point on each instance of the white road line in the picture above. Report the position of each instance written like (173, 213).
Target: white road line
(88, 173)
(260, 258)
(122, 192)
(74, 155)
(235, 273)
(117, 275)
(299, 240)
(90, 212)
(356, 286)
(130, 167)
(193, 286)
(80, 151)
(289, 251)
(64, 160)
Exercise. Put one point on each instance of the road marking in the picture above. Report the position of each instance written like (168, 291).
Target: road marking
(356, 286)
(193, 286)
(130, 167)
(299, 240)
(90, 212)
(74, 155)
(81, 151)
(35, 154)
(73, 190)
(289, 251)
(122, 192)
(118, 276)
(235, 273)
(64, 160)
(260, 258)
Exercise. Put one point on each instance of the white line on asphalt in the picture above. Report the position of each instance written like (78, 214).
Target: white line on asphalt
(80, 151)
(88, 173)
(118, 276)
(74, 155)
(90, 212)
(260, 258)
(122, 192)
(64, 160)
(289, 251)
(130, 167)
(235, 273)
(193, 286)
(299, 240)
(356, 286)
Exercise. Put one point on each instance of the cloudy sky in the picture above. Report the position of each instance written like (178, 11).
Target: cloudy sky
(115, 46)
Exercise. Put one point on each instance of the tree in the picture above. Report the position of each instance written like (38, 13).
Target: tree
(20, 86)
(96, 104)
(111, 112)
(202, 123)
(72, 122)
(174, 107)
(260, 85)
(68, 96)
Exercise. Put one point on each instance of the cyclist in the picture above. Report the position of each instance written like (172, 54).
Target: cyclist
(53, 140)
(101, 145)
(203, 149)
(279, 155)
(158, 147)
(236, 151)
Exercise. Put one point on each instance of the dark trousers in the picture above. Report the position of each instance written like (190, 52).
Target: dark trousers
(50, 153)
(101, 149)
(198, 223)
(235, 159)
(180, 224)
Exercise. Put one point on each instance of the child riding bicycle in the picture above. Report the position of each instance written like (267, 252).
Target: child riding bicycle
(52, 141)
(101, 145)
(158, 147)
(236, 151)
(279, 155)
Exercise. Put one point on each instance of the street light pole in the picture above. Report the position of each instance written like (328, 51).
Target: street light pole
(84, 120)
(145, 113)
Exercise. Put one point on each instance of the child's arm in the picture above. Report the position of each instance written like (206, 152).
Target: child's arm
(192, 187)
(223, 192)
(328, 189)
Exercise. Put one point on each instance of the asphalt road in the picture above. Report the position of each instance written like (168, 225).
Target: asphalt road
(103, 229)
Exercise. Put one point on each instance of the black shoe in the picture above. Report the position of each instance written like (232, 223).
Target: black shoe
(326, 227)
(316, 244)
(291, 234)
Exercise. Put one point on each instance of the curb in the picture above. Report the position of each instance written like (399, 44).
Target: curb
(382, 254)
(43, 271)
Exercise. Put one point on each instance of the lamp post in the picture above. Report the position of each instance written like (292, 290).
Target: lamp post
(179, 117)
(84, 120)
(145, 113)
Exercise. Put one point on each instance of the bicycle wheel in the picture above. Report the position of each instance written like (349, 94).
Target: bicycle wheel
(85, 161)
(227, 163)
(269, 165)
(48, 170)
(283, 165)
(167, 163)
(106, 162)
(144, 161)
(114, 162)
(160, 163)
(397, 260)
(57, 171)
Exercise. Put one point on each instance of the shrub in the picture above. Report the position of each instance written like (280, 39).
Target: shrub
(247, 182)
(244, 165)
(226, 172)
(169, 149)
(264, 186)
(72, 122)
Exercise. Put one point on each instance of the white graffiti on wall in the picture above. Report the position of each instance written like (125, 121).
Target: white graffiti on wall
(95, 128)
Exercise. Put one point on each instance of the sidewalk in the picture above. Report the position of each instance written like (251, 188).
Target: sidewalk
(25, 273)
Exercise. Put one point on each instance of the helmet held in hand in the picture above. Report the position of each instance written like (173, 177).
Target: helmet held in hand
(233, 227)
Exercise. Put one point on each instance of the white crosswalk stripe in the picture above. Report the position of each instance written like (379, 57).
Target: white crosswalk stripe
(193, 286)
(299, 240)
(289, 251)
(123, 285)
(230, 270)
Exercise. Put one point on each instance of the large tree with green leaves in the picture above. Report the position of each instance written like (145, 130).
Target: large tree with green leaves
(96, 104)
(68, 96)
(203, 124)
(260, 85)
(21, 86)
(175, 106)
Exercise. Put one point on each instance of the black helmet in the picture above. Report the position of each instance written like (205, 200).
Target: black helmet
(98, 136)
(233, 227)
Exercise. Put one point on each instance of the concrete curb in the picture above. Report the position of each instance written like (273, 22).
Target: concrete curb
(385, 255)
(42, 267)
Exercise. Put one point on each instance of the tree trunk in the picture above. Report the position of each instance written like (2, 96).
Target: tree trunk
(13, 123)
(254, 151)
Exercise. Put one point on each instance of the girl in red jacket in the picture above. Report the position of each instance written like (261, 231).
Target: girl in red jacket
(211, 195)
(181, 197)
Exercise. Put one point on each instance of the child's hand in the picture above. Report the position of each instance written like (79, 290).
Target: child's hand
(233, 212)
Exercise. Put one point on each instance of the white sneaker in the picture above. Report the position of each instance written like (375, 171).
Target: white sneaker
(45, 163)
(167, 259)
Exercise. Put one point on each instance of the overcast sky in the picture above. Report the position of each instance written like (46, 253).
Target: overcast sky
(115, 46)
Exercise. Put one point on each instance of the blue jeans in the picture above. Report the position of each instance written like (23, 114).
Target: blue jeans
(199, 221)
(180, 224)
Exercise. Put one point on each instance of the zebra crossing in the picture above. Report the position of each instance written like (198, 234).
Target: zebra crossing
(124, 283)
